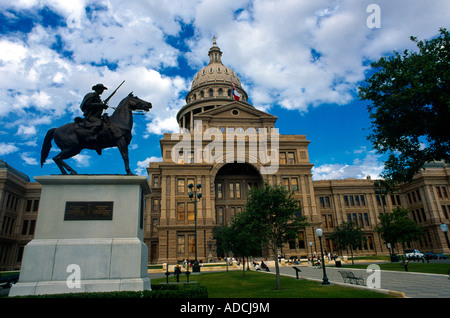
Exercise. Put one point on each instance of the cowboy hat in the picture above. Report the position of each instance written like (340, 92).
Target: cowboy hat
(99, 86)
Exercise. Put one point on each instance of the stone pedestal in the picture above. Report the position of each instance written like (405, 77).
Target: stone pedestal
(89, 237)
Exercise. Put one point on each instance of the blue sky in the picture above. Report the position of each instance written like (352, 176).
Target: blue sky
(299, 60)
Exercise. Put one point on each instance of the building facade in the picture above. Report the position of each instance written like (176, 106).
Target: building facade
(207, 152)
(225, 147)
(19, 204)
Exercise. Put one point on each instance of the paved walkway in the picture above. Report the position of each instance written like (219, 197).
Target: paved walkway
(414, 285)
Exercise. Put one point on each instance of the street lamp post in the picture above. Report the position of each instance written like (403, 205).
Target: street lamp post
(325, 281)
(193, 195)
(312, 256)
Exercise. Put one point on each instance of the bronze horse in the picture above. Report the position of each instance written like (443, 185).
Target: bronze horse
(116, 132)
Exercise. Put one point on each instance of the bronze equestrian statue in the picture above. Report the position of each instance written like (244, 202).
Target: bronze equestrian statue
(97, 134)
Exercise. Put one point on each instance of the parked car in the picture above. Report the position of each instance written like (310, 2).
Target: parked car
(414, 254)
(429, 256)
(441, 256)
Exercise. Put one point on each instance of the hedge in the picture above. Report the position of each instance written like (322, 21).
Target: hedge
(158, 292)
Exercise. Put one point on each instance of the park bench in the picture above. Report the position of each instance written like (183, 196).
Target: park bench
(297, 270)
(349, 277)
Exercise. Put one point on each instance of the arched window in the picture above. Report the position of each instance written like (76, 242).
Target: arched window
(202, 94)
(211, 92)
(220, 92)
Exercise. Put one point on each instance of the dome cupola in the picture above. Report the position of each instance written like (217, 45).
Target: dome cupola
(211, 87)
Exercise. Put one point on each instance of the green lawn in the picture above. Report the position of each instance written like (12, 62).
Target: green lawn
(418, 267)
(261, 285)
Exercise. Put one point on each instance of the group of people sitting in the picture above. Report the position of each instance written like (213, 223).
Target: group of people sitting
(259, 267)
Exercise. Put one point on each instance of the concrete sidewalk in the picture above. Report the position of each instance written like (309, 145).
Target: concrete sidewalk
(414, 285)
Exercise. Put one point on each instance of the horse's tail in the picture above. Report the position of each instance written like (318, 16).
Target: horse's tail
(47, 145)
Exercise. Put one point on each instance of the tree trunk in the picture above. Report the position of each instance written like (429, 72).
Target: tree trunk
(351, 250)
(277, 266)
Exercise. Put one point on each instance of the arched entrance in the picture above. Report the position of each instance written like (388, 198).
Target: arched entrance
(231, 185)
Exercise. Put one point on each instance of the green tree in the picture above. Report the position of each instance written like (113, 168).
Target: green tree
(237, 238)
(397, 227)
(271, 215)
(410, 108)
(348, 235)
(222, 236)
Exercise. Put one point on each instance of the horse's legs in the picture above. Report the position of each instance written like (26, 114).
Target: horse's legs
(123, 148)
(59, 163)
(65, 154)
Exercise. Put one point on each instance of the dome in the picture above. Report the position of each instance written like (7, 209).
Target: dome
(215, 71)
(213, 86)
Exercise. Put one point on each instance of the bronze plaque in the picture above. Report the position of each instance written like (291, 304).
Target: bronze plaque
(88, 211)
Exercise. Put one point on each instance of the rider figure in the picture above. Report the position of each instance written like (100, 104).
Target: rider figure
(92, 107)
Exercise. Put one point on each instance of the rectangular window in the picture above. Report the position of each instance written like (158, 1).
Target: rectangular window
(282, 158)
(24, 227)
(219, 190)
(444, 209)
(28, 207)
(438, 189)
(191, 241)
(180, 186)
(291, 159)
(180, 211)
(219, 215)
(155, 205)
(238, 190)
(294, 185)
(35, 205)
(363, 200)
(191, 211)
(366, 219)
(324, 221)
(330, 221)
(154, 227)
(301, 240)
(346, 200)
(327, 202)
(351, 201)
(32, 227)
(285, 183)
(180, 244)
(231, 190)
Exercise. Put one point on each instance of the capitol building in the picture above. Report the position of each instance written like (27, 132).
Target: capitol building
(225, 147)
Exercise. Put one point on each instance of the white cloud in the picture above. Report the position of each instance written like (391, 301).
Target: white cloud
(7, 148)
(142, 165)
(82, 160)
(270, 44)
(359, 169)
(29, 159)
(26, 131)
